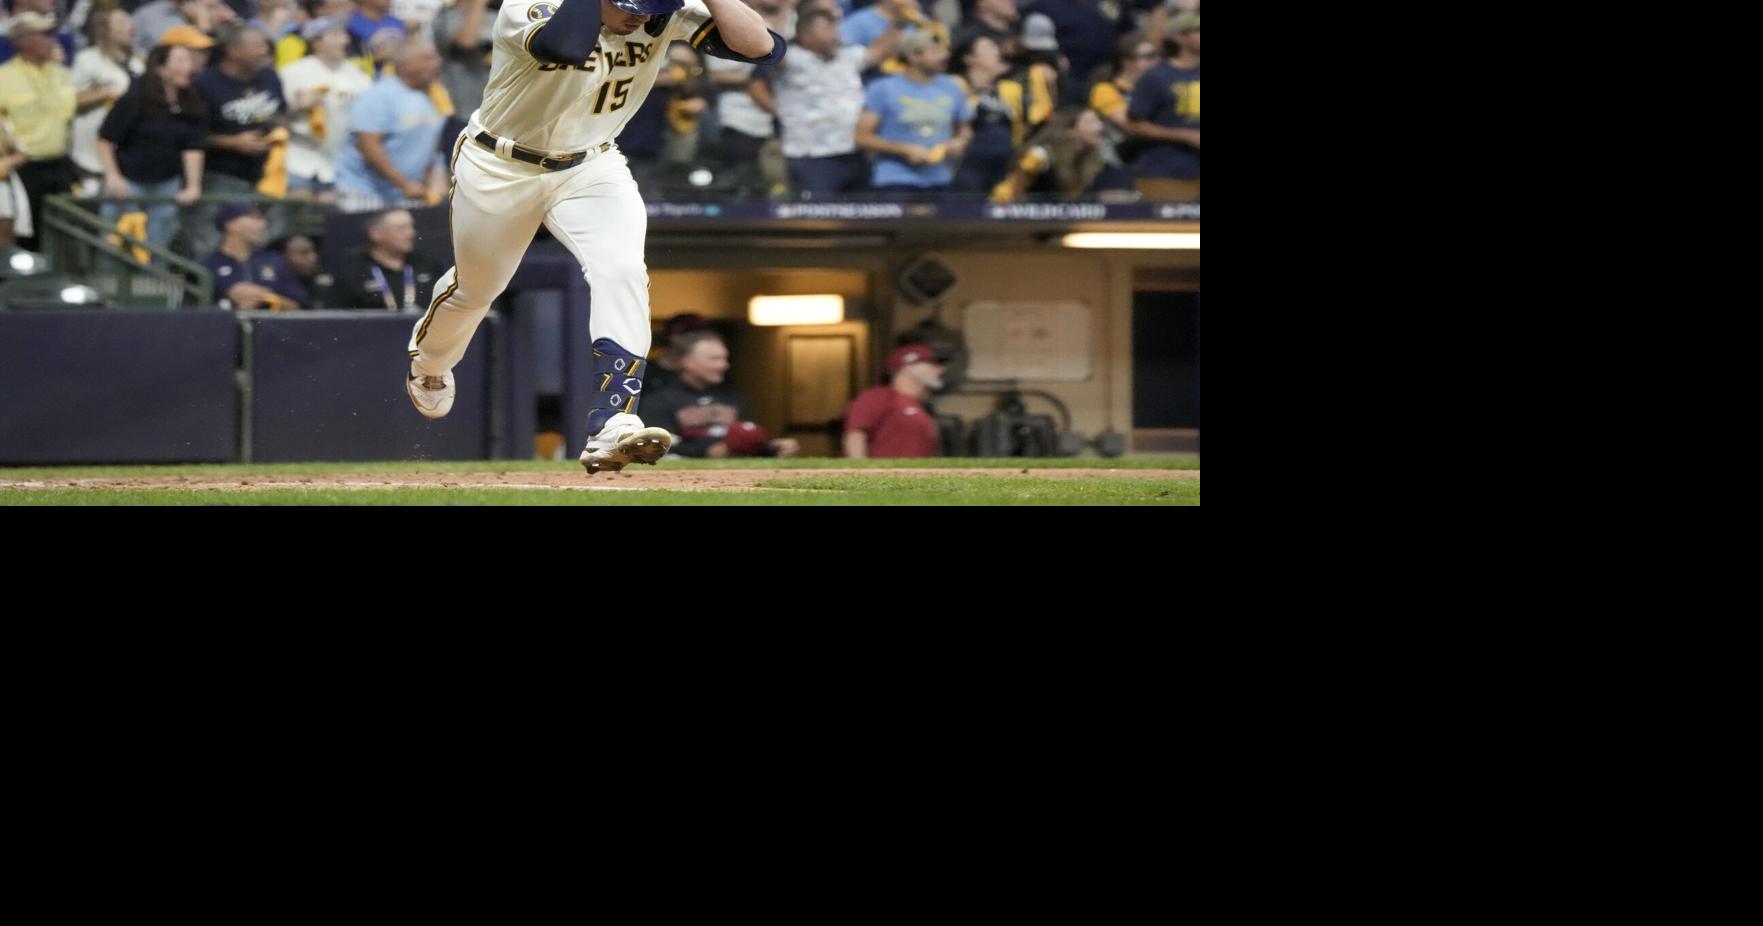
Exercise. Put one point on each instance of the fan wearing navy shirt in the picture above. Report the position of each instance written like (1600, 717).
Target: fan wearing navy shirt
(246, 276)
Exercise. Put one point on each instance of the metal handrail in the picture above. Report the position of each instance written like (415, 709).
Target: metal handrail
(78, 242)
(82, 244)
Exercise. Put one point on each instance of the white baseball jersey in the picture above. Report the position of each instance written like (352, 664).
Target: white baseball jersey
(560, 109)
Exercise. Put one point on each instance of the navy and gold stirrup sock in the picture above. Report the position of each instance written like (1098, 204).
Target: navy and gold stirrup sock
(618, 381)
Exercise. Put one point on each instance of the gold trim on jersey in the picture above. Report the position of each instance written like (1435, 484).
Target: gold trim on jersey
(527, 43)
(703, 31)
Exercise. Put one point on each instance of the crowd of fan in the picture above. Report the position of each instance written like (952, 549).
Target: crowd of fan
(988, 98)
(152, 105)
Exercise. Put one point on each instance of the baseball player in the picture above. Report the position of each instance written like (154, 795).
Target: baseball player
(565, 77)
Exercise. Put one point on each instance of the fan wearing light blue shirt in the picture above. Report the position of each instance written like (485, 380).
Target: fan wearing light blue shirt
(916, 123)
(395, 128)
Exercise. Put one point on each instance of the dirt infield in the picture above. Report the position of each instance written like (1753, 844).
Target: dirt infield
(569, 478)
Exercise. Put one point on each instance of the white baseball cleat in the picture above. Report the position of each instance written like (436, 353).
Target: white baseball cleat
(432, 395)
(624, 440)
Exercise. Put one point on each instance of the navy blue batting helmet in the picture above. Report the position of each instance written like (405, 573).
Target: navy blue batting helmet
(649, 7)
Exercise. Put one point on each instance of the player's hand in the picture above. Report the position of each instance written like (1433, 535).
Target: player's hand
(786, 447)
(116, 187)
(188, 195)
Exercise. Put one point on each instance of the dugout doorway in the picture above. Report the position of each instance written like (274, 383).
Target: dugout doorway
(1166, 361)
(799, 379)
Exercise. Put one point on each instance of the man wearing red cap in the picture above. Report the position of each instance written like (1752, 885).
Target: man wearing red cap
(891, 420)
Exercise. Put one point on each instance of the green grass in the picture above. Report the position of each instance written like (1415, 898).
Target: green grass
(199, 470)
(461, 496)
(830, 492)
(986, 490)
(853, 490)
(1006, 487)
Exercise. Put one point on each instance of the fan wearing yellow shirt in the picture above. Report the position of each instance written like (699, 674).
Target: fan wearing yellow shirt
(38, 100)
(1112, 94)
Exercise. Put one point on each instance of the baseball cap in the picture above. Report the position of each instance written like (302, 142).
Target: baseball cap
(649, 7)
(31, 21)
(907, 354)
(231, 211)
(916, 40)
(187, 36)
(684, 322)
(1037, 33)
(746, 438)
(386, 38)
(1186, 22)
(320, 26)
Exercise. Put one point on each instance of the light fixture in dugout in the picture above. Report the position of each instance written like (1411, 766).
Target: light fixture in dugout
(1188, 241)
(796, 310)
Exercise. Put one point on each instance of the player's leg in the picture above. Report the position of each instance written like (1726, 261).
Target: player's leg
(495, 207)
(599, 216)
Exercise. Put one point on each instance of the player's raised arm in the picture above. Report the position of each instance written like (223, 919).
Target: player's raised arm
(737, 32)
(742, 28)
(569, 35)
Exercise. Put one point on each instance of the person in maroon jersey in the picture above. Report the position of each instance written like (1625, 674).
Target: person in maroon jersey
(891, 420)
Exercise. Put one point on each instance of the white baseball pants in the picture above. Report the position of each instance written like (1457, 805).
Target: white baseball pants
(497, 204)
